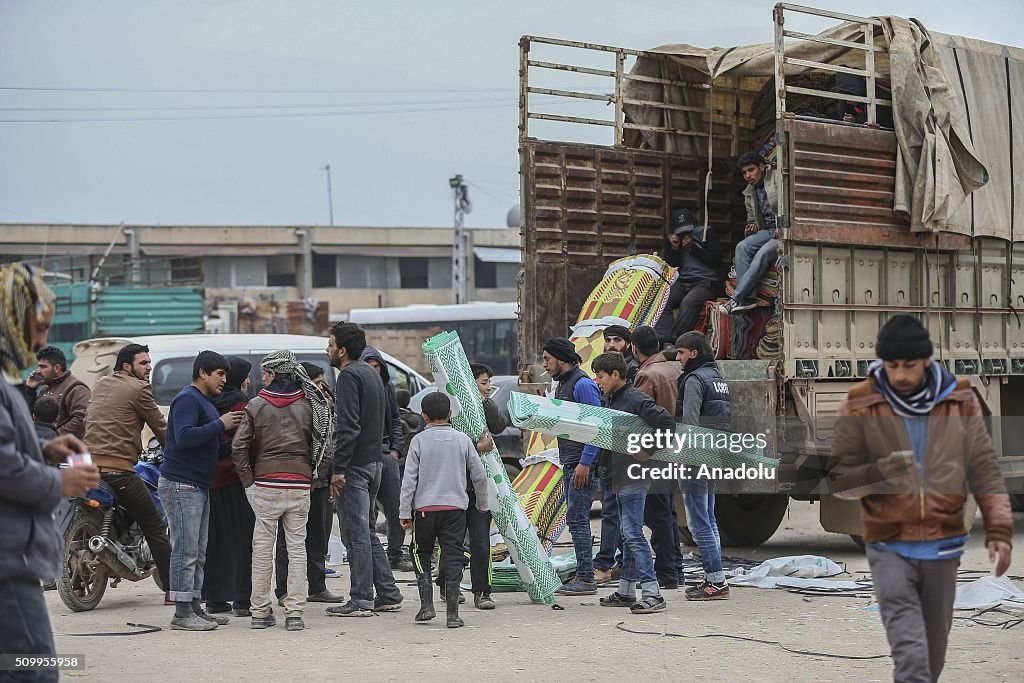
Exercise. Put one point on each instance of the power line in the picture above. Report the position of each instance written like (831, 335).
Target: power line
(421, 110)
(243, 107)
(236, 91)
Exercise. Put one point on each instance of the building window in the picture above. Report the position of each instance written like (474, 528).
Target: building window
(186, 270)
(362, 272)
(248, 271)
(325, 270)
(281, 271)
(414, 272)
(485, 274)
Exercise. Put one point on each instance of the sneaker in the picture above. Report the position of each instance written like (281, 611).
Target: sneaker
(380, 606)
(483, 601)
(577, 587)
(649, 605)
(332, 574)
(214, 607)
(349, 609)
(606, 575)
(242, 612)
(219, 620)
(263, 622)
(730, 307)
(192, 622)
(294, 624)
(402, 565)
(325, 596)
(708, 591)
(617, 599)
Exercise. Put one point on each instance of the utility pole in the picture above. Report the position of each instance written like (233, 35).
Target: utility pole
(460, 245)
(330, 192)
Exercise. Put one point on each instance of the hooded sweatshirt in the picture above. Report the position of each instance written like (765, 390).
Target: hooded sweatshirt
(231, 398)
(394, 438)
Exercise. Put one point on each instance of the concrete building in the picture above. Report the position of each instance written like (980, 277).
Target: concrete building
(346, 266)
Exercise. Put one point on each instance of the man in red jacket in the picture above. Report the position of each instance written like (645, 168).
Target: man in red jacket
(908, 441)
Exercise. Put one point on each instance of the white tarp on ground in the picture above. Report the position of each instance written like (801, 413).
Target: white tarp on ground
(957, 123)
(988, 592)
(797, 571)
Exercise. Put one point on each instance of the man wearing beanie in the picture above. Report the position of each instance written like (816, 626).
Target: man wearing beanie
(618, 338)
(910, 472)
(563, 364)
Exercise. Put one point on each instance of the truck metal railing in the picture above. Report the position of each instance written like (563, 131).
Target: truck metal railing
(866, 44)
(613, 94)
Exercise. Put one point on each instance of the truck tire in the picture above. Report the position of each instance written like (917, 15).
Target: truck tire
(79, 588)
(749, 519)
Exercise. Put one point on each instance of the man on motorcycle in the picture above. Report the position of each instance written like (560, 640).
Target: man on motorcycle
(121, 404)
(30, 490)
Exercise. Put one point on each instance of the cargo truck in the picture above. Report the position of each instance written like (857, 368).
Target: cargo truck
(645, 132)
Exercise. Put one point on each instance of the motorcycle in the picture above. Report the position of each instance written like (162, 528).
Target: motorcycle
(101, 541)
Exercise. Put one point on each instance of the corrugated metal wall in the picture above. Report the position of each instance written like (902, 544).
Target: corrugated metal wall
(122, 311)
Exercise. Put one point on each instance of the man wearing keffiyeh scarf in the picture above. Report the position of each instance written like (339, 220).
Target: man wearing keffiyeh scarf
(908, 443)
(30, 489)
(278, 450)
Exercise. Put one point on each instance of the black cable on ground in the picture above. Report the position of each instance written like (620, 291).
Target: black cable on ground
(750, 640)
(146, 628)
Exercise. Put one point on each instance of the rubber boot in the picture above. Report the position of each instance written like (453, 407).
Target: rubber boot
(451, 593)
(426, 612)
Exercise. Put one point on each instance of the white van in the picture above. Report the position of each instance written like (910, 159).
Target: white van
(173, 355)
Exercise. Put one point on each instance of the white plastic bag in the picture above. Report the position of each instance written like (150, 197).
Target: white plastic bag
(336, 553)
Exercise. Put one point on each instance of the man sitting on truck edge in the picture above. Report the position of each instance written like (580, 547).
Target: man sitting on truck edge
(761, 199)
(563, 364)
(911, 473)
(697, 254)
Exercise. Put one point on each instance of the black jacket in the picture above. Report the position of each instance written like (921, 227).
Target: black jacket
(394, 439)
(360, 409)
(707, 252)
(631, 400)
(496, 422)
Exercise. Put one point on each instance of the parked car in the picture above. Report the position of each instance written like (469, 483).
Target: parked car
(173, 356)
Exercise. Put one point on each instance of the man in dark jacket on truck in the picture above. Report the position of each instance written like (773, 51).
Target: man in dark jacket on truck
(30, 490)
(697, 254)
(908, 443)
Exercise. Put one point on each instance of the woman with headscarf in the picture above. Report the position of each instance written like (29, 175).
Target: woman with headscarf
(227, 582)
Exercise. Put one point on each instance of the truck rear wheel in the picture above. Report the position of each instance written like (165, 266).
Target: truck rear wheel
(749, 519)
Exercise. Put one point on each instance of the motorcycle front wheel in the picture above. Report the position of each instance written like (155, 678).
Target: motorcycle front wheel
(80, 587)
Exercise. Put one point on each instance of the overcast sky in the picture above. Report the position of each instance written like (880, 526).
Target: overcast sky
(447, 69)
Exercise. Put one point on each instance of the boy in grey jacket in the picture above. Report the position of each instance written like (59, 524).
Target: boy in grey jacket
(434, 487)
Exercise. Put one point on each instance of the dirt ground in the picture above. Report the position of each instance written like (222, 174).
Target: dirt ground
(533, 642)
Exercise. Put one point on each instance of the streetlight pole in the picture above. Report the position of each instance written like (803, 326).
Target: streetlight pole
(330, 192)
(460, 250)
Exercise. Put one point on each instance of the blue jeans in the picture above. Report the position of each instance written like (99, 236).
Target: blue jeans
(611, 537)
(637, 558)
(579, 502)
(25, 627)
(699, 499)
(188, 515)
(369, 568)
(753, 256)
